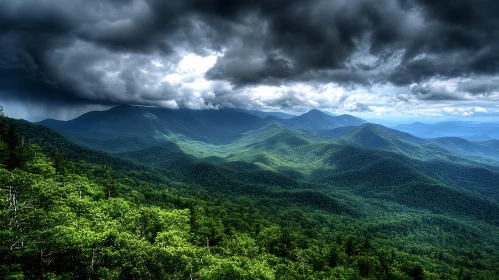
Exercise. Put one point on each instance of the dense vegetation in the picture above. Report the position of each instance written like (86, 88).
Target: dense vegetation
(337, 212)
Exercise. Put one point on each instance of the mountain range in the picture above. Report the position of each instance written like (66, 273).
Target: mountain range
(472, 131)
(126, 128)
(211, 126)
(336, 171)
(313, 147)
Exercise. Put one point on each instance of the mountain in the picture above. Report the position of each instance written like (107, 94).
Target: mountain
(120, 121)
(369, 162)
(341, 131)
(392, 158)
(463, 146)
(263, 114)
(213, 126)
(398, 178)
(377, 137)
(373, 134)
(468, 130)
(423, 161)
(128, 128)
(491, 144)
(275, 188)
(315, 120)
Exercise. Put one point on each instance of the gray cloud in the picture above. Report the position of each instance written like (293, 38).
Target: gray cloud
(100, 52)
(360, 107)
(436, 92)
(479, 86)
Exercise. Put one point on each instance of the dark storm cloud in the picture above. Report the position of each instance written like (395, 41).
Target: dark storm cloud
(460, 38)
(480, 86)
(100, 51)
(432, 92)
(309, 40)
(457, 89)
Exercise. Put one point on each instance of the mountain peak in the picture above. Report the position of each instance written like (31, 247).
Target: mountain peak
(315, 112)
(368, 129)
(315, 120)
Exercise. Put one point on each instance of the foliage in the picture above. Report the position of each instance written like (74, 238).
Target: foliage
(84, 214)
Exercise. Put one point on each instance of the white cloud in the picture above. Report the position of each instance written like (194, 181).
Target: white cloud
(480, 110)
(171, 104)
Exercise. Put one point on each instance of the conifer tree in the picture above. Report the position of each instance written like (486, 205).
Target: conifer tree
(12, 141)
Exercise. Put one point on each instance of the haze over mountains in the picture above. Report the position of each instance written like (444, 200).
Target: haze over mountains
(472, 131)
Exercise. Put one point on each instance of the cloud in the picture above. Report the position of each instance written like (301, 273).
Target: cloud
(359, 107)
(256, 53)
(437, 90)
(457, 89)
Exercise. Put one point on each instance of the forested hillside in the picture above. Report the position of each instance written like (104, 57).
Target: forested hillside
(70, 212)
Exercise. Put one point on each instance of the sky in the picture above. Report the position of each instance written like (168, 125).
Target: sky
(392, 60)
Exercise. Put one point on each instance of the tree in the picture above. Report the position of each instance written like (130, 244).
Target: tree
(15, 154)
(333, 257)
(111, 187)
(349, 248)
(59, 162)
(415, 271)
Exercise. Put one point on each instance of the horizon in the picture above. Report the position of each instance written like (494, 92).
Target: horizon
(373, 120)
(34, 113)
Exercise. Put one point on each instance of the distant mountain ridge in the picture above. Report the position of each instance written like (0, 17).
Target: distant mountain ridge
(120, 121)
(469, 130)
(212, 126)
(215, 126)
(130, 128)
(315, 120)
(381, 137)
